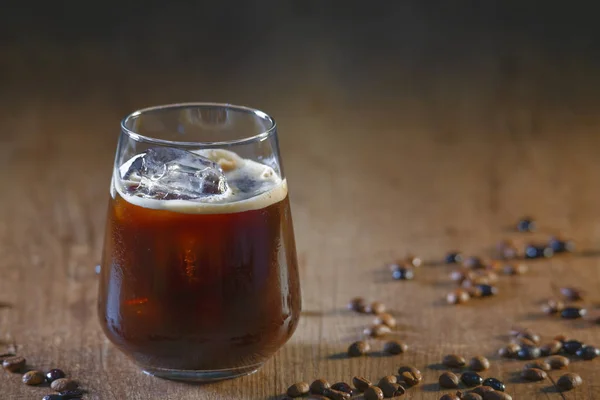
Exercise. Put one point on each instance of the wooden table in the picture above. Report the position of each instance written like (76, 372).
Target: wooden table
(407, 130)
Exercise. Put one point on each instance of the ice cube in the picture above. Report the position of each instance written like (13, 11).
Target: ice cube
(169, 173)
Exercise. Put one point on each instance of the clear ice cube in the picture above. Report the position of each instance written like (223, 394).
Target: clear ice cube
(169, 173)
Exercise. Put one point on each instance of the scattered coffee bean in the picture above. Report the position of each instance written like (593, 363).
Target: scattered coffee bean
(510, 351)
(403, 274)
(458, 296)
(54, 374)
(449, 396)
(571, 293)
(471, 379)
(526, 225)
(410, 378)
(524, 342)
(448, 380)
(571, 346)
(13, 364)
(479, 363)
(388, 385)
(375, 307)
(53, 397)
(33, 378)
(552, 306)
(453, 257)
(551, 348)
(510, 269)
(474, 292)
(488, 290)
(497, 396)
(461, 275)
(507, 250)
(539, 364)
(412, 375)
(454, 361)
(373, 393)
(361, 384)
(414, 261)
(534, 251)
(528, 353)
(394, 347)
(377, 331)
(318, 386)
(471, 396)
(588, 353)
(482, 390)
(359, 348)
(343, 387)
(296, 390)
(72, 394)
(357, 304)
(388, 379)
(473, 262)
(400, 391)
(529, 334)
(64, 384)
(392, 390)
(558, 362)
(569, 381)
(385, 319)
(335, 394)
(494, 384)
(561, 246)
(533, 374)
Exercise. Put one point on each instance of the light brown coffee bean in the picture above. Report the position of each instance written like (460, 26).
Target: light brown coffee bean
(529, 334)
(524, 342)
(296, 390)
(14, 364)
(395, 347)
(454, 361)
(376, 308)
(373, 393)
(359, 348)
(552, 306)
(448, 380)
(33, 378)
(458, 296)
(479, 363)
(357, 304)
(335, 394)
(389, 386)
(482, 390)
(318, 386)
(534, 374)
(414, 261)
(410, 378)
(558, 362)
(569, 381)
(551, 348)
(64, 384)
(510, 351)
(385, 319)
(377, 331)
(415, 373)
(361, 384)
(539, 364)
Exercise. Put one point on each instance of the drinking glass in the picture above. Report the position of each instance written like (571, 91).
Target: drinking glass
(199, 277)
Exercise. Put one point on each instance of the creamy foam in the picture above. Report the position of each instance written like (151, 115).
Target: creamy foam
(238, 171)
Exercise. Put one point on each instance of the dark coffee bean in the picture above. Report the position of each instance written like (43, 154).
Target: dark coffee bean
(526, 225)
(588, 353)
(569, 381)
(473, 263)
(413, 261)
(448, 396)
(400, 391)
(357, 304)
(33, 378)
(392, 390)
(471, 379)
(410, 378)
(335, 394)
(359, 348)
(571, 346)
(539, 364)
(448, 380)
(53, 397)
(488, 290)
(534, 251)
(482, 390)
(403, 274)
(534, 374)
(375, 307)
(377, 331)
(561, 246)
(54, 374)
(497, 396)
(72, 394)
(479, 363)
(373, 393)
(395, 347)
(510, 351)
(14, 364)
(415, 373)
(454, 361)
(494, 384)
(558, 362)
(388, 379)
(528, 353)
(361, 384)
(453, 257)
(553, 306)
(318, 386)
(471, 396)
(296, 390)
(458, 296)
(571, 293)
(387, 384)
(343, 387)
(385, 319)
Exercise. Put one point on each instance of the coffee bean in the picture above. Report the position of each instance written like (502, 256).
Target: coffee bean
(488, 290)
(494, 384)
(343, 387)
(497, 396)
(510, 351)
(14, 364)
(529, 334)
(357, 304)
(471, 379)
(458, 296)
(507, 250)
(524, 342)
(474, 292)
(571, 293)
(534, 374)
(385, 319)
(72, 394)
(551, 348)
(454, 361)
(413, 371)
(33, 378)
(539, 364)
(561, 246)
(535, 251)
(460, 275)
(318, 386)
(414, 261)
(526, 224)
(296, 390)
(395, 347)
(571, 346)
(64, 384)
(479, 363)
(410, 378)
(558, 362)
(375, 307)
(403, 274)
(359, 348)
(377, 331)
(588, 353)
(53, 397)
(482, 390)
(373, 393)
(361, 384)
(448, 396)
(388, 379)
(552, 307)
(453, 257)
(335, 394)
(561, 338)
(387, 385)
(471, 396)
(392, 390)
(528, 353)
(569, 381)
(54, 374)
(473, 262)
(448, 380)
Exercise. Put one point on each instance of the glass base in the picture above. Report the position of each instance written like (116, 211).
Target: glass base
(200, 375)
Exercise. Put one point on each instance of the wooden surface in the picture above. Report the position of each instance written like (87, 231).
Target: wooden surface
(409, 129)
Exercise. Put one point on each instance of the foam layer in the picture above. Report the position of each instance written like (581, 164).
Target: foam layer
(267, 187)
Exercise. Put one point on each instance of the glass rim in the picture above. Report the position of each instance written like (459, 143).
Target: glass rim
(149, 139)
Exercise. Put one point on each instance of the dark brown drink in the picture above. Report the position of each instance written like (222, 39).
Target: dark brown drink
(191, 286)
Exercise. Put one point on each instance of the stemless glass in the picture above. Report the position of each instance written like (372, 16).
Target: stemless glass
(199, 277)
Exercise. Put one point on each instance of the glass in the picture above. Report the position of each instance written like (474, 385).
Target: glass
(199, 277)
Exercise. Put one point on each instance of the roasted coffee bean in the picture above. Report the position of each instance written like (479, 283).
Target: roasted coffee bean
(318, 386)
(414, 261)
(357, 304)
(373, 393)
(473, 262)
(529, 334)
(558, 362)
(507, 250)
(385, 319)
(386, 384)
(533, 374)
(471, 396)
(343, 387)
(552, 306)
(453, 257)
(64, 384)
(571, 293)
(359, 348)
(454, 361)
(569, 381)
(53, 397)
(375, 307)
(474, 292)
(488, 290)
(410, 378)
(335, 394)
(494, 384)
(571, 346)
(387, 379)
(296, 390)
(415, 373)
(561, 338)
(524, 342)
(528, 353)
(539, 364)
(361, 384)
(376, 331)
(510, 351)
(449, 396)
(395, 347)
(551, 348)
(72, 394)
(448, 380)
(54, 374)
(392, 390)
(479, 363)
(471, 379)
(526, 225)
(497, 396)
(400, 391)
(403, 274)
(588, 353)
(13, 364)
(561, 246)
(458, 296)
(33, 378)
(482, 390)
(534, 251)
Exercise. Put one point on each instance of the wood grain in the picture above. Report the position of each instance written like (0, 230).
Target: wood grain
(411, 129)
